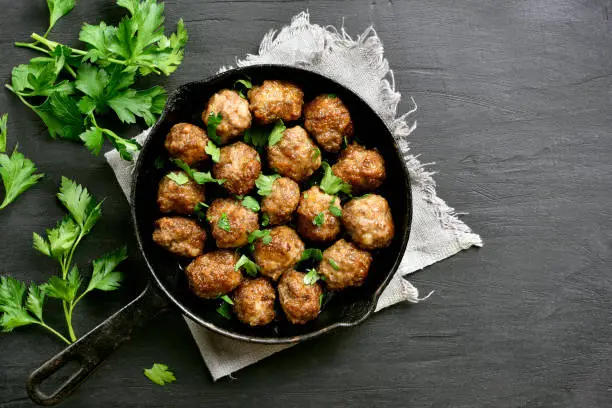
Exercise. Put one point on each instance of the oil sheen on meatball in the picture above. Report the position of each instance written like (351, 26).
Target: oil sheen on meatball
(239, 165)
(274, 100)
(300, 302)
(363, 169)
(179, 198)
(344, 264)
(235, 114)
(230, 222)
(254, 302)
(282, 202)
(281, 254)
(368, 221)
(179, 235)
(212, 275)
(295, 155)
(187, 142)
(314, 220)
(329, 121)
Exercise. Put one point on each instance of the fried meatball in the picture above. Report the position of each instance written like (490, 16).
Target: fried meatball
(179, 235)
(300, 302)
(235, 114)
(363, 169)
(280, 254)
(239, 165)
(295, 155)
(212, 275)
(344, 264)
(230, 222)
(172, 197)
(368, 221)
(254, 302)
(274, 100)
(187, 142)
(282, 202)
(329, 121)
(314, 219)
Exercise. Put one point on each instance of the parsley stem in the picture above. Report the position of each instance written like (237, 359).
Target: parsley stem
(32, 46)
(10, 88)
(52, 330)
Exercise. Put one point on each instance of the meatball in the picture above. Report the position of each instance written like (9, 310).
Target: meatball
(368, 221)
(300, 302)
(274, 100)
(282, 202)
(179, 235)
(212, 275)
(179, 198)
(329, 121)
(239, 165)
(187, 142)
(295, 155)
(363, 169)
(314, 219)
(254, 302)
(231, 223)
(280, 254)
(344, 264)
(235, 114)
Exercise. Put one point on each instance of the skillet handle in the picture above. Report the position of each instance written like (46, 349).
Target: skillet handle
(93, 348)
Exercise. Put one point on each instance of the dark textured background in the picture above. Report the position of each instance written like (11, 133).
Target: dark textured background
(514, 101)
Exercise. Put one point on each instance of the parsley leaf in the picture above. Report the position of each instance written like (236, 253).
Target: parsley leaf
(277, 133)
(224, 223)
(198, 176)
(227, 299)
(333, 264)
(245, 83)
(199, 209)
(250, 203)
(258, 137)
(264, 184)
(249, 266)
(335, 211)
(316, 153)
(159, 373)
(331, 184)
(17, 173)
(3, 131)
(213, 151)
(80, 204)
(58, 9)
(321, 296)
(225, 310)
(319, 219)
(13, 313)
(104, 276)
(311, 277)
(311, 253)
(214, 120)
(264, 235)
(332, 96)
(179, 178)
(265, 220)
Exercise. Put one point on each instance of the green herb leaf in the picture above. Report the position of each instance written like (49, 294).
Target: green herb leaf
(93, 139)
(3, 131)
(244, 82)
(257, 137)
(224, 223)
(58, 9)
(178, 177)
(59, 240)
(159, 163)
(159, 373)
(17, 173)
(321, 296)
(335, 211)
(11, 304)
(265, 220)
(213, 151)
(199, 209)
(311, 253)
(332, 96)
(225, 310)
(319, 219)
(331, 184)
(104, 276)
(277, 133)
(264, 184)
(214, 120)
(311, 277)
(64, 289)
(333, 264)
(227, 299)
(35, 301)
(250, 203)
(249, 266)
(198, 176)
(316, 153)
(80, 204)
(264, 235)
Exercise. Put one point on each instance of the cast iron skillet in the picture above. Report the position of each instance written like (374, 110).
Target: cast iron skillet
(346, 308)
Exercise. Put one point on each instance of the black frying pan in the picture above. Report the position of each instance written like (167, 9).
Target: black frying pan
(168, 287)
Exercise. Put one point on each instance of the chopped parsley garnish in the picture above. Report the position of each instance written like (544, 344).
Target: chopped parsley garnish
(199, 177)
(245, 83)
(277, 133)
(336, 211)
(311, 277)
(321, 296)
(264, 184)
(264, 235)
(225, 310)
(265, 220)
(258, 137)
(178, 178)
(224, 223)
(199, 209)
(319, 219)
(227, 299)
(332, 96)
(250, 203)
(249, 266)
(333, 264)
(214, 120)
(316, 153)
(311, 253)
(160, 374)
(213, 151)
(331, 184)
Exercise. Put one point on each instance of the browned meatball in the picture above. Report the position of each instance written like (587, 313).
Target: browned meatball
(344, 264)
(231, 223)
(187, 142)
(280, 254)
(368, 221)
(314, 220)
(300, 302)
(235, 114)
(254, 302)
(329, 121)
(363, 169)
(179, 198)
(295, 156)
(239, 165)
(179, 235)
(282, 202)
(275, 100)
(212, 275)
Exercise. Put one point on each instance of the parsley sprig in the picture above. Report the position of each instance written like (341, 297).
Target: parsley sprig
(77, 86)
(160, 374)
(332, 184)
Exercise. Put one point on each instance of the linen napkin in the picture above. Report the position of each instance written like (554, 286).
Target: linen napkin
(358, 64)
